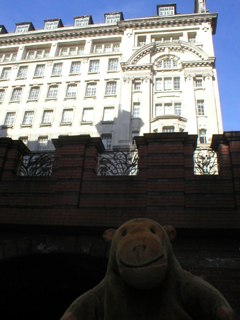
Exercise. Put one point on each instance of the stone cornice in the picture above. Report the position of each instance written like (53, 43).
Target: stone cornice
(70, 33)
(193, 64)
(172, 21)
(135, 67)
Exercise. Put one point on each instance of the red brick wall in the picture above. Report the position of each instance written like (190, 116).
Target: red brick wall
(165, 188)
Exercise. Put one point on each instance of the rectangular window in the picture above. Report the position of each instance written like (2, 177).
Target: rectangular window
(158, 84)
(57, 69)
(167, 63)
(28, 118)
(34, 93)
(94, 66)
(22, 72)
(192, 37)
(111, 88)
(203, 136)
(51, 25)
(21, 29)
(167, 84)
(47, 117)
(108, 114)
(52, 92)
(113, 18)
(67, 116)
(113, 64)
(9, 120)
(137, 85)
(168, 108)
(168, 129)
(6, 73)
(107, 48)
(87, 115)
(200, 108)
(7, 57)
(37, 54)
(81, 22)
(71, 91)
(39, 71)
(99, 48)
(159, 110)
(91, 90)
(16, 95)
(166, 11)
(178, 108)
(116, 47)
(75, 68)
(2, 91)
(176, 83)
(141, 41)
(136, 110)
(107, 141)
(198, 83)
(42, 143)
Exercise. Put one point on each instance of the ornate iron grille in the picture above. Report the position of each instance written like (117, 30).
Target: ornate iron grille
(118, 163)
(205, 162)
(36, 164)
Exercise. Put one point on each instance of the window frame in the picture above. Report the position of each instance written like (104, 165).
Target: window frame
(91, 84)
(92, 68)
(7, 76)
(111, 88)
(112, 108)
(77, 63)
(136, 110)
(49, 88)
(42, 149)
(106, 143)
(202, 134)
(26, 118)
(43, 123)
(3, 94)
(200, 108)
(11, 125)
(67, 96)
(83, 115)
(57, 69)
(63, 122)
(39, 75)
(31, 89)
(13, 99)
(114, 67)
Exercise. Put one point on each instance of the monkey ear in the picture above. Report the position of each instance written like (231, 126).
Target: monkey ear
(108, 235)
(171, 232)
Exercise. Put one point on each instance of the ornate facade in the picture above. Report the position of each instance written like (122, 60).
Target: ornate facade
(116, 80)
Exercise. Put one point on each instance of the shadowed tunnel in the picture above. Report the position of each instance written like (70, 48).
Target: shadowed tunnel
(43, 286)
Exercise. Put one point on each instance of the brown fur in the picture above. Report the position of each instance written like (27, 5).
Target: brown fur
(145, 281)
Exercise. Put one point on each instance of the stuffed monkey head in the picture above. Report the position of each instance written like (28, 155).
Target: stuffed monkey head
(140, 252)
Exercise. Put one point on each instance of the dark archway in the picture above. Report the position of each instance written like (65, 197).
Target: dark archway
(43, 286)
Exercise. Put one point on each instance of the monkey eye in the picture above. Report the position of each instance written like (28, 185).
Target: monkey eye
(152, 230)
(124, 232)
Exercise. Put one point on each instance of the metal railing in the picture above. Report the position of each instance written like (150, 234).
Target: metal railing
(118, 163)
(36, 164)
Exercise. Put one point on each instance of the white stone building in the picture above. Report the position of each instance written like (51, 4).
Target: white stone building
(116, 80)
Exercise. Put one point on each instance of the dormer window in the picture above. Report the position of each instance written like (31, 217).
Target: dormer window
(167, 63)
(3, 30)
(24, 27)
(53, 24)
(113, 17)
(166, 10)
(83, 21)
(21, 29)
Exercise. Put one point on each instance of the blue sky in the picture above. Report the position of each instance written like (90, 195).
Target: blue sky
(226, 39)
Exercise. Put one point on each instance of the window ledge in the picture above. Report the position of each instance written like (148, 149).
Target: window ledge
(56, 75)
(30, 100)
(17, 101)
(90, 72)
(112, 71)
(110, 95)
(139, 91)
(49, 99)
(4, 79)
(39, 77)
(45, 124)
(7, 126)
(74, 74)
(108, 122)
(70, 98)
(87, 97)
(26, 125)
(21, 78)
(86, 122)
(199, 88)
(65, 123)
(201, 116)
